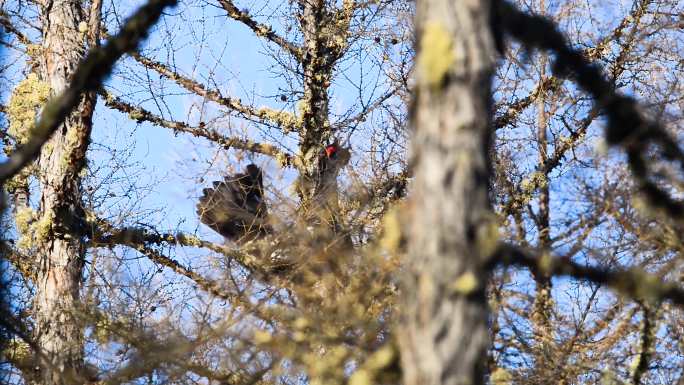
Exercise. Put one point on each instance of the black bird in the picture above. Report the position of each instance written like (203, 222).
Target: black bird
(235, 207)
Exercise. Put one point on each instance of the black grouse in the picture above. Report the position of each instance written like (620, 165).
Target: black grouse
(235, 207)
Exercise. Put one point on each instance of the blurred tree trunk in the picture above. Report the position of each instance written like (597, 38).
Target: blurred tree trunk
(444, 334)
(59, 232)
(543, 303)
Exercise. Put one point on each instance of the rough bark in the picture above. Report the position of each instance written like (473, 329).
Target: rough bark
(58, 238)
(443, 337)
(324, 30)
(543, 302)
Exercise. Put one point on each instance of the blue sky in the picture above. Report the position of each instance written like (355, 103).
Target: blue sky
(230, 58)
(165, 173)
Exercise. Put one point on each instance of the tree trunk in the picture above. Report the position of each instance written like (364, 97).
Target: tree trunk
(545, 362)
(323, 45)
(443, 337)
(58, 234)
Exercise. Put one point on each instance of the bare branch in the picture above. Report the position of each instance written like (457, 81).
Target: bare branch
(552, 84)
(261, 30)
(6, 22)
(646, 344)
(142, 240)
(151, 351)
(532, 183)
(634, 283)
(210, 286)
(140, 114)
(363, 114)
(626, 126)
(280, 119)
(88, 77)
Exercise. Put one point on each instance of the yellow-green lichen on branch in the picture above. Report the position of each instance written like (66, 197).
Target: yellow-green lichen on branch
(376, 362)
(137, 115)
(24, 218)
(436, 54)
(27, 98)
(20, 181)
(33, 232)
(43, 226)
(282, 159)
(465, 284)
(535, 180)
(73, 141)
(17, 351)
(285, 120)
(264, 30)
(187, 240)
(328, 367)
(391, 231)
(487, 236)
(501, 376)
(262, 337)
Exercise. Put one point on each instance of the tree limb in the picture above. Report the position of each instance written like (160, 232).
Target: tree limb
(259, 29)
(634, 283)
(283, 120)
(142, 240)
(88, 77)
(552, 84)
(361, 116)
(6, 23)
(140, 114)
(626, 126)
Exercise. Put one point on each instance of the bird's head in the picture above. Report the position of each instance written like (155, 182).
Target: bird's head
(253, 171)
(331, 151)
